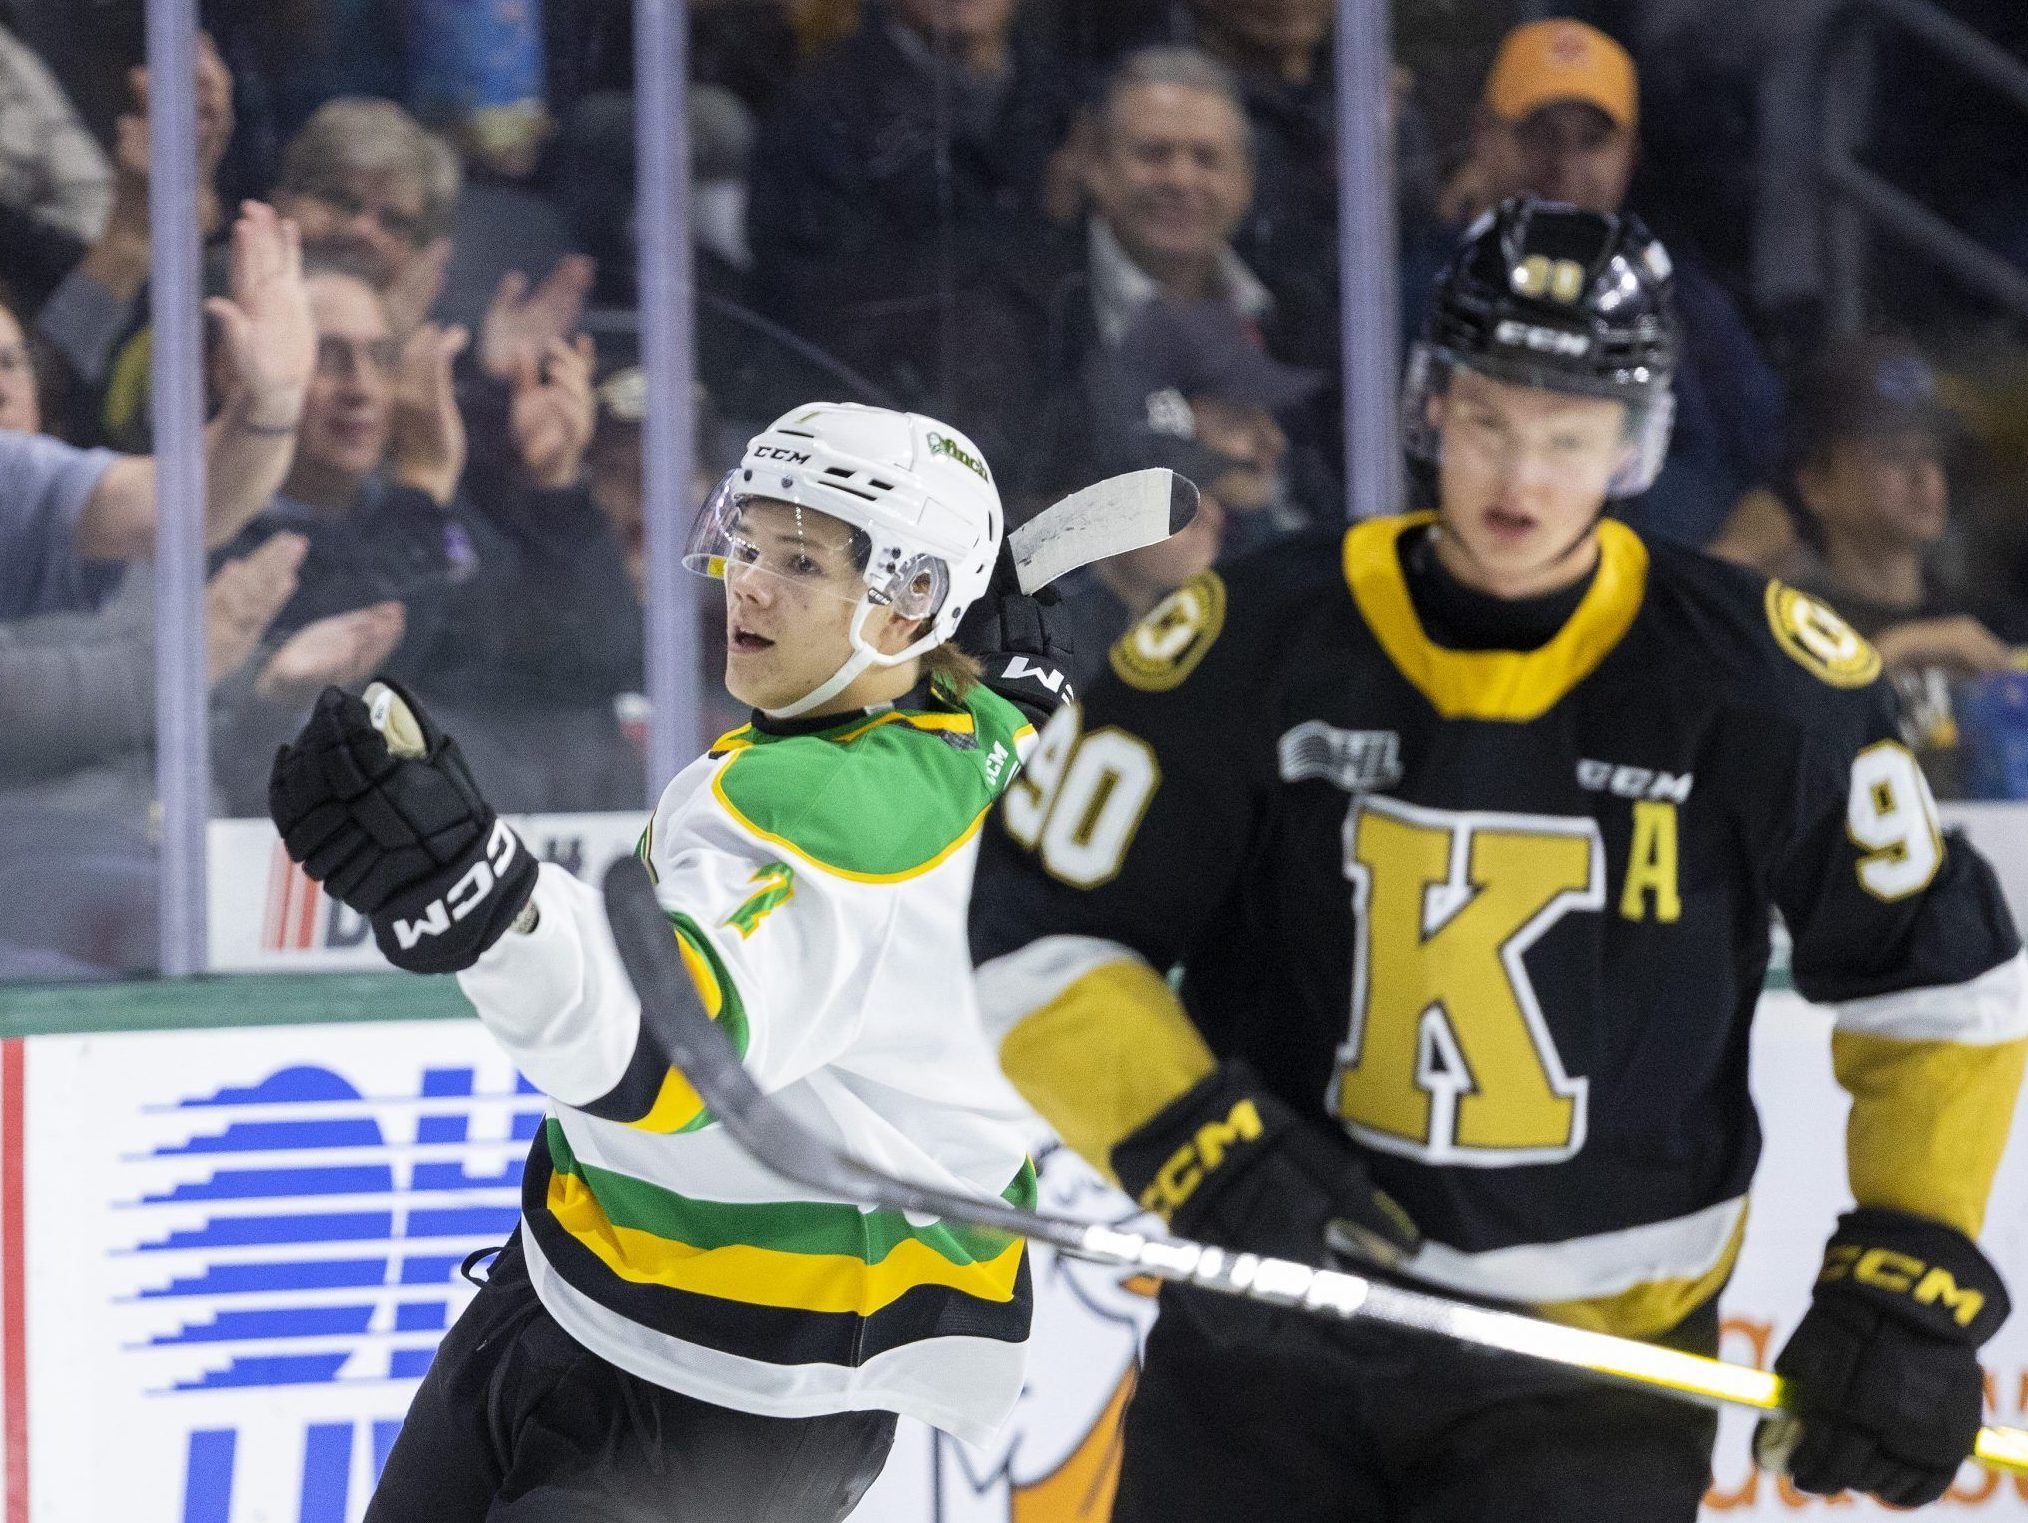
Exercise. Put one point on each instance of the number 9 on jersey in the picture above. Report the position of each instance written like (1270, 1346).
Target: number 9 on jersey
(1891, 815)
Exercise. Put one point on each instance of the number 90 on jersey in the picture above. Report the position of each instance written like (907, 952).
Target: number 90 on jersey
(1078, 799)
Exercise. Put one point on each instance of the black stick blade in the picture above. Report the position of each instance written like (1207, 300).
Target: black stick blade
(1183, 497)
(672, 1015)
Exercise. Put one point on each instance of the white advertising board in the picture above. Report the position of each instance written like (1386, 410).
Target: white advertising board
(227, 1254)
(241, 1246)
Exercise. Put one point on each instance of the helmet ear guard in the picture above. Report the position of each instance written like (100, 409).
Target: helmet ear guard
(914, 588)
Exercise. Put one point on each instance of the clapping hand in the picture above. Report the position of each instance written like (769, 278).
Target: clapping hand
(553, 412)
(522, 324)
(269, 332)
(340, 651)
(132, 150)
(242, 599)
(428, 433)
(413, 293)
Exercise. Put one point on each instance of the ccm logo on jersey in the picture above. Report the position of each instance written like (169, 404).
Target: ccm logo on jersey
(996, 761)
(1634, 782)
(1177, 1180)
(1902, 1274)
(1542, 340)
(466, 895)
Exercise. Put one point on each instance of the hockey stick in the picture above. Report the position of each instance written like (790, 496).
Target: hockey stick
(672, 1013)
(1110, 517)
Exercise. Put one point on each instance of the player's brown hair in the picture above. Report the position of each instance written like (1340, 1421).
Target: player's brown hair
(960, 670)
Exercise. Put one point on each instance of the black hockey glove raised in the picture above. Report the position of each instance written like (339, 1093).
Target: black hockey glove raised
(1884, 1366)
(408, 843)
(1024, 661)
(1228, 1163)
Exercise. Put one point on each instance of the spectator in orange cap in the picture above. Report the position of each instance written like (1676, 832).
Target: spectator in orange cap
(1560, 118)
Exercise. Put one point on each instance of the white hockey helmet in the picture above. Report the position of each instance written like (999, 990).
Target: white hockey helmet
(918, 490)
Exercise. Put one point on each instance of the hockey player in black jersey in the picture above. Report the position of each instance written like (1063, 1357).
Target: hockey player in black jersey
(1463, 830)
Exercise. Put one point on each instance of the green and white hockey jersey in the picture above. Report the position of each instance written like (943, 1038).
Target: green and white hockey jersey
(816, 876)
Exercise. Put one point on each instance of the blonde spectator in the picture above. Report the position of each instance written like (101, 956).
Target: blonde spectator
(368, 182)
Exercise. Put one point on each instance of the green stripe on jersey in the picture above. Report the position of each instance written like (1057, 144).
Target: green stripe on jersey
(810, 1227)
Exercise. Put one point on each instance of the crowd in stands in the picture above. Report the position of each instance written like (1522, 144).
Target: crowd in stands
(1096, 236)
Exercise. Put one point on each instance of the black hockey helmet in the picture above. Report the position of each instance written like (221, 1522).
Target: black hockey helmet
(1543, 294)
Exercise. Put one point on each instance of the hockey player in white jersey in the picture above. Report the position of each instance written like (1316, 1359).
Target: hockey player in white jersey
(674, 1332)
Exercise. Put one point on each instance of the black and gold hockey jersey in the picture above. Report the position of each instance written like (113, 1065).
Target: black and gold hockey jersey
(1504, 915)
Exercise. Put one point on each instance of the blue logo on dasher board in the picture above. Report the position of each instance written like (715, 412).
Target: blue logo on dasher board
(313, 1242)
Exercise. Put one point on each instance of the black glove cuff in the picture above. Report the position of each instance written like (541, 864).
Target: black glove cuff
(1920, 1273)
(1022, 626)
(1199, 1144)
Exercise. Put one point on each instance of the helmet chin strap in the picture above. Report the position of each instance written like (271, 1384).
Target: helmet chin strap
(863, 656)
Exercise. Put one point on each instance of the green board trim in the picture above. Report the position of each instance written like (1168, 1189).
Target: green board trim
(229, 1000)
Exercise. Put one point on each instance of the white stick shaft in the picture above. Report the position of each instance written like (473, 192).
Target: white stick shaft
(1335, 1292)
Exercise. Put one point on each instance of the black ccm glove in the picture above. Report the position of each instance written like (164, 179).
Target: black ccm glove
(1884, 1366)
(1228, 1163)
(1024, 661)
(407, 842)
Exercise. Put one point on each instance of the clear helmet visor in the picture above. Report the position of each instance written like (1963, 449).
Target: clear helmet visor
(739, 535)
(1648, 427)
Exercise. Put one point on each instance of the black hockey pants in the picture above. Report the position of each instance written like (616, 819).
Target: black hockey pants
(516, 1422)
(1379, 1426)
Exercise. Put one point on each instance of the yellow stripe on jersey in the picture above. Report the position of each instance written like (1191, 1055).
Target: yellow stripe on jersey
(1515, 686)
(1929, 1121)
(959, 724)
(1100, 1059)
(819, 1282)
(1653, 1307)
(677, 1103)
(740, 739)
